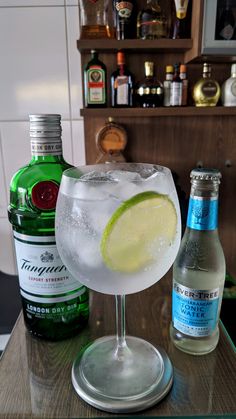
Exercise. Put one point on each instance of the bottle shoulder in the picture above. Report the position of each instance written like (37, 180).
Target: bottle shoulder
(200, 251)
(202, 81)
(34, 172)
(194, 240)
(228, 82)
(125, 72)
(146, 13)
(149, 81)
(25, 216)
(95, 63)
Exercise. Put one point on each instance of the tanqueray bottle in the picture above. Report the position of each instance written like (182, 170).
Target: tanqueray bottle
(55, 304)
(199, 270)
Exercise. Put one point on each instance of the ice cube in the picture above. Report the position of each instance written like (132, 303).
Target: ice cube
(91, 191)
(122, 175)
(89, 252)
(96, 177)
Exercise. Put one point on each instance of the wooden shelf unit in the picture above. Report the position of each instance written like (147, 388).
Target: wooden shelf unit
(179, 138)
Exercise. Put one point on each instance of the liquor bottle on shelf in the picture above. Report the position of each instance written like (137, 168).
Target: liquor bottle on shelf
(122, 84)
(199, 270)
(149, 92)
(206, 92)
(167, 84)
(125, 19)
(94, 22)
(225, 25)
(228, 89)
(151, 22)
(95, 79)
(176, 88)
(183, 76)
(55, 304)
(181, 19)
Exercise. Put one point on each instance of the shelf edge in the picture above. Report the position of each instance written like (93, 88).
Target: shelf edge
(159, 112)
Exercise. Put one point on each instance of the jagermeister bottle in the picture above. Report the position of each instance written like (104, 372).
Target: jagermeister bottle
(55, 304)
(199, 270)
(95, 79)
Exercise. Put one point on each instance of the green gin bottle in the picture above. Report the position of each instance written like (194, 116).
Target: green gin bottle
(55, 304)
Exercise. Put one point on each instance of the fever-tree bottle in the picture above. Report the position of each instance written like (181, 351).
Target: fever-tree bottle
(55, 304)
(199, 270)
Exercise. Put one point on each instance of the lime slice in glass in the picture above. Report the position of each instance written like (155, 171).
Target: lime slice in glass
(136, 230)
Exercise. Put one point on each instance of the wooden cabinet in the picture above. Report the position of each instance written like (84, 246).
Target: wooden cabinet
(180, 138)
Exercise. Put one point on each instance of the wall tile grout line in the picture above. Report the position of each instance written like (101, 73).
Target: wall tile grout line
(68, 78)
(3, 168)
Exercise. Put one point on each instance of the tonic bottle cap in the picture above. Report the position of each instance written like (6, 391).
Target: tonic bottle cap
(45, 125)
(120, 57)
(206, 174)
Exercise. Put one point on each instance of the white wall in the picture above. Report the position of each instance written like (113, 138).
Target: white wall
(39, 73)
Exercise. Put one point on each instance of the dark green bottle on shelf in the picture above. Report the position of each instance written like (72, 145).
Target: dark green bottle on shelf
(95, 82)
(55, 304)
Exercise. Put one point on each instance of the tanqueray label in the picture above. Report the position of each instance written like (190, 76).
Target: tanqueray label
(42, 275)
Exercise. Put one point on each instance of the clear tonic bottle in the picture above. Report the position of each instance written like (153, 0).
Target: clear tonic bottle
(199, 270)
(55, 305)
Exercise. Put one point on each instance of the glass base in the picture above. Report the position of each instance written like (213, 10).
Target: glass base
(129, 379)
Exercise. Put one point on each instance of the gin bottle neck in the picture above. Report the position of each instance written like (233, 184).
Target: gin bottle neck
(46, 149)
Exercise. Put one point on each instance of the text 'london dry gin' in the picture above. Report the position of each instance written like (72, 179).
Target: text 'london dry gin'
(55, 304)
(199, 270)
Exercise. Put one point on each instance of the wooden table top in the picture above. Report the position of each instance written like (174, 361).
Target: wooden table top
(35, 376)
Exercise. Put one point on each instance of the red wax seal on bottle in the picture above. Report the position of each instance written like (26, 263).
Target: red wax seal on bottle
(44, 195)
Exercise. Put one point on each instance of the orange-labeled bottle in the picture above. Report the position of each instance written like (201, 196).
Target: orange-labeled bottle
(122, 83)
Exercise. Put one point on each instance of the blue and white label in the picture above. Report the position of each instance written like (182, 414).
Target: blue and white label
(194, 312)
(203, 213)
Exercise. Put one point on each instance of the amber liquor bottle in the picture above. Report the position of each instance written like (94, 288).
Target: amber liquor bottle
(149, 92)
(122, 84)
(151, 22)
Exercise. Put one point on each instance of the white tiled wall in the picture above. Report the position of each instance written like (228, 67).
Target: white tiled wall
(39, 73)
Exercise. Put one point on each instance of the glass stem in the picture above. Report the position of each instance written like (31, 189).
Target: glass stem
(120, 327)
